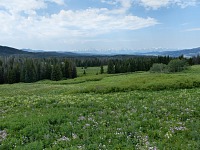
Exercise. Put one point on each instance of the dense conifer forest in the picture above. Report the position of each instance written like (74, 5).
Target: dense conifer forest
(21, 69)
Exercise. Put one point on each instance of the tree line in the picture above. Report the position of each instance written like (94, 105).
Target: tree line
(135, 64)
(19, 69)
(22, 69)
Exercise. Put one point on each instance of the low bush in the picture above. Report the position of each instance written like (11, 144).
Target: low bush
(175, 65)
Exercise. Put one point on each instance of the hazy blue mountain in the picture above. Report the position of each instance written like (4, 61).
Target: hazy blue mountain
(176, 53)
(7, 51)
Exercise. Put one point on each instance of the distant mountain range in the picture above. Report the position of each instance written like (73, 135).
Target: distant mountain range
(8, 51)
(176, 53)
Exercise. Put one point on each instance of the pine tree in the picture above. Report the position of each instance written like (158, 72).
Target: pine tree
(22, 74)
(111, 67)
(56, 74)
(1, 75)
(74, 72)
(48, 71)
(30, 73)
(11, 76)
(84, 72)
(66, 69)
(101, 70)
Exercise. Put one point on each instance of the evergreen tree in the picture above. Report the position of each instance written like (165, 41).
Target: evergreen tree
(22, 74)
(111, 67)
(84, 72)
(1, 75)
(56, 74)
(11, 77)
(66, 69)
(74, 72)
(1, 63)
(48, 71)
(101, 70)
(30, 74)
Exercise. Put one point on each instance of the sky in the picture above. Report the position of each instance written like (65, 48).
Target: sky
(78, 25)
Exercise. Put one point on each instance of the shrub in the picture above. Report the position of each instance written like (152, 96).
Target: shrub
(159, 68)
(177, 65)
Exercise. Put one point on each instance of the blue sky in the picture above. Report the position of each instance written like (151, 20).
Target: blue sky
(73, 25)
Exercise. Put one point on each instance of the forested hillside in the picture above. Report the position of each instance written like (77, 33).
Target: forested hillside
(7, 51)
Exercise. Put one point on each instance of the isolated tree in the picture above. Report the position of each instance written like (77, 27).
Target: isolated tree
(84, 72)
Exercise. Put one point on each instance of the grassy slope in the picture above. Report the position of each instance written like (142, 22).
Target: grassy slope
(53, 115)
(104, 83)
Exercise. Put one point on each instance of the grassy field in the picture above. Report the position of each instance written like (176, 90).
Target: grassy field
(141, 111)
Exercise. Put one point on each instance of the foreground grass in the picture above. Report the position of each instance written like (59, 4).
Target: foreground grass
(131, 120)
(92, 112)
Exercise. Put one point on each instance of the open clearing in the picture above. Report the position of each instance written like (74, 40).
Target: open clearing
(126, 111)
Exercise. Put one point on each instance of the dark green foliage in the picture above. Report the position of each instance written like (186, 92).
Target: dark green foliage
(177, 65)
(194, 60)
(1, 63)
(111, 67)
(1, 75)
(74, 72)
(11, 77)
(30, 74)
(135, 64)
(84, 72)
(48, 70)
(101, 70)
(56, 74)
(18, 69)
(66, 69)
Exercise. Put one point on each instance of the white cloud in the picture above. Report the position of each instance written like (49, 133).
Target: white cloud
(184, 3)
(27, 6)
(67, 23)
(59, 2)
(155, 4)
(111, 2)
(193, 29)
(124, 4)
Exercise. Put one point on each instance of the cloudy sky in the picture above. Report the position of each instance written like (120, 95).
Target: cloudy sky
(71, 25)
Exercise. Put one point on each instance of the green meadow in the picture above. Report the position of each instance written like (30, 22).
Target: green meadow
(134, 111)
